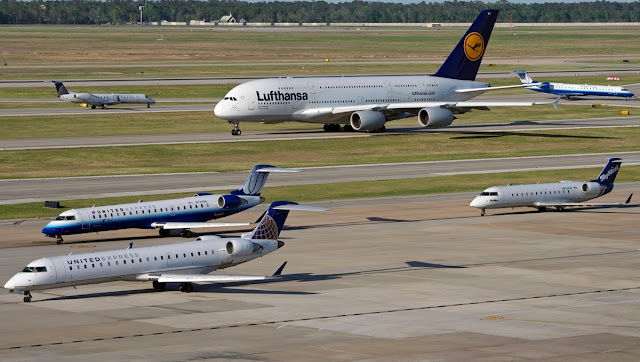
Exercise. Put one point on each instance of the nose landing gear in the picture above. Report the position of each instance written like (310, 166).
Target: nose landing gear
(27, 296)
(59, 239)
(236, 130)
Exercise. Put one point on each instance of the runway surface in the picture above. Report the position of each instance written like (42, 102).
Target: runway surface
(380, 279)
(40, 190)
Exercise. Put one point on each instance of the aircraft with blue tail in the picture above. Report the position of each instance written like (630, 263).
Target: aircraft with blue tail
(183, 213)
(572, 90)
(100, 99)
(560, 195)
(367, 103)
(184, 263)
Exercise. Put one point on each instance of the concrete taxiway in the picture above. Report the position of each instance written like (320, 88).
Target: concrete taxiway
(65, 188)
(383, 279)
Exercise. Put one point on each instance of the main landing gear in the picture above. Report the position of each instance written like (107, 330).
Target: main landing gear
(236, 130)
(186, 287)
(482, 213)
(159, 286)
(186, 233)
(27, 296)
(59, 239)
(163, 232)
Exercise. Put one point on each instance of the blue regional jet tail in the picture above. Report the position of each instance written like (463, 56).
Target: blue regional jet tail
(465, 59)
(609, 172)
(60, 88)
(256, 180)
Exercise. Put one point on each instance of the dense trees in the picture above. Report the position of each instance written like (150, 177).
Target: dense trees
(123, 11)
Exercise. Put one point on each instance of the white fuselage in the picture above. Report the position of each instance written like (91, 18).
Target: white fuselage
(106, 99)
(290, 99)
(202, 256)
(563, 89)
(535, 195)
(145, 214)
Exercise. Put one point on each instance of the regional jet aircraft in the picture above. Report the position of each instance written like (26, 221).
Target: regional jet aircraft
(572, 90)
(100, 100)
(366, 103)
(559, 195)
(185, 213)
(184, 263)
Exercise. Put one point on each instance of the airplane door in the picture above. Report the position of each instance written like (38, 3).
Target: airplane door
(169, 259)
(60, 273)
(312, 88)
(252, 102)
(360, 100)
(86, 219)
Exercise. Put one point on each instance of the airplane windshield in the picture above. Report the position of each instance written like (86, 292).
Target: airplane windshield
(66, 217)
(34, 269)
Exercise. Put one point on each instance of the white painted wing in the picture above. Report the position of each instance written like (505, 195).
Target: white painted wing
(197, 225)
(208, 278)
(486, 89)
(583, 204)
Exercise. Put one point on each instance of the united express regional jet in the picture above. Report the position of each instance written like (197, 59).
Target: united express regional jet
(184, 263)
(572, 90)
(559, 195)
(366, 103)
(185, 213)
(100, 100)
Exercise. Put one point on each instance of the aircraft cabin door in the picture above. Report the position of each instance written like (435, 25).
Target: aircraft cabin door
(252, 102)
(60, 268)
(86, 219)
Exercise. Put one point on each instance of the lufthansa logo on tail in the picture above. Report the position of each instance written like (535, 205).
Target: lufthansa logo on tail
(473, 46)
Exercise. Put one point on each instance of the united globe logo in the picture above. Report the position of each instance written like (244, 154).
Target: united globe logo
(473, 46)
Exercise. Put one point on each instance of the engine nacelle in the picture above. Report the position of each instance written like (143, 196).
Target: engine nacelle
(435, 117)
(367, 120)
(229, 201)
(242, 247)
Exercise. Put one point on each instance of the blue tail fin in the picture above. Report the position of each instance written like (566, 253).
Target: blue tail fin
(256, 180)
(272, 222)
(60, 88)
(609, 172)
(464, 61)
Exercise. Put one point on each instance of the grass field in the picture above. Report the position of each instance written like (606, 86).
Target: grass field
(307, 153)
(348, 190)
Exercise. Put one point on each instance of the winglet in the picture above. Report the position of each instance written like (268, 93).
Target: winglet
(629, 199)
(279, 271)
(130, 246)
(555, 103)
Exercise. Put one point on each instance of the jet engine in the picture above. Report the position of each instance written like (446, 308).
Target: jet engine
(242, 247)
(229, 201)
(435, 117)
(367, 120)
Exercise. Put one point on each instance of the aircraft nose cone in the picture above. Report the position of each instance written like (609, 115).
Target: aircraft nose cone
(11, 284)
(50, 229)
(217, 110)
(475, 203)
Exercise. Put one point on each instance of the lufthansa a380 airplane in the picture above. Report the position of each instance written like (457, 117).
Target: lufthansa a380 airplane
(559, 195)
(185, 213)
(100, 100)
(572, 90)
(184, 263)
(366, 103)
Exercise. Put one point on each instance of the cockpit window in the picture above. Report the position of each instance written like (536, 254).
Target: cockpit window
(484, 193)
(34, 269)
(66, 217)
(230, 99)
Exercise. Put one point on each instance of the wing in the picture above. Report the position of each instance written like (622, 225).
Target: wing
(214, 278)
(196, 225)
(582, 204)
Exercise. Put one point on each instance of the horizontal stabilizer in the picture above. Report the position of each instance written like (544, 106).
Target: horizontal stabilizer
(196, 225)
(298, 207)
(278, 169)
(208, 278)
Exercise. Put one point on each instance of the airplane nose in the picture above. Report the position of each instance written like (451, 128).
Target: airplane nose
(217, 110)
(11, 284)
(475, 203)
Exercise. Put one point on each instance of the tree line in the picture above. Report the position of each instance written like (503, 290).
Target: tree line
(126, 11)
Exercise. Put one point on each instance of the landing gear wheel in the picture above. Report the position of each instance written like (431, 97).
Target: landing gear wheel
(482, 213)
(542, 208)
(27, 297)
(148, 105)
(348, 128)
(59, 239)
(93, 107)
(163, 232)
(186, 233)
(331, 127)
(103, 107)
(159, 286)
(186, 287)
(236, 130)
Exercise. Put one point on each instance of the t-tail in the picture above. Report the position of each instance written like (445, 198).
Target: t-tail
(609, 172)
(464, 61)
(256, 180)
(273, 220)
(525, 78)
(60, 88)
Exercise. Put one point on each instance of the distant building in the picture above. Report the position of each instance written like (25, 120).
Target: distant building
(228, 19)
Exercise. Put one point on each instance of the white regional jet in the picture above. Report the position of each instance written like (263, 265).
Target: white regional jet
(366, 103)
(559, 195)
(572, 90)
(100, 100)
(185, 213)
(183, 263)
